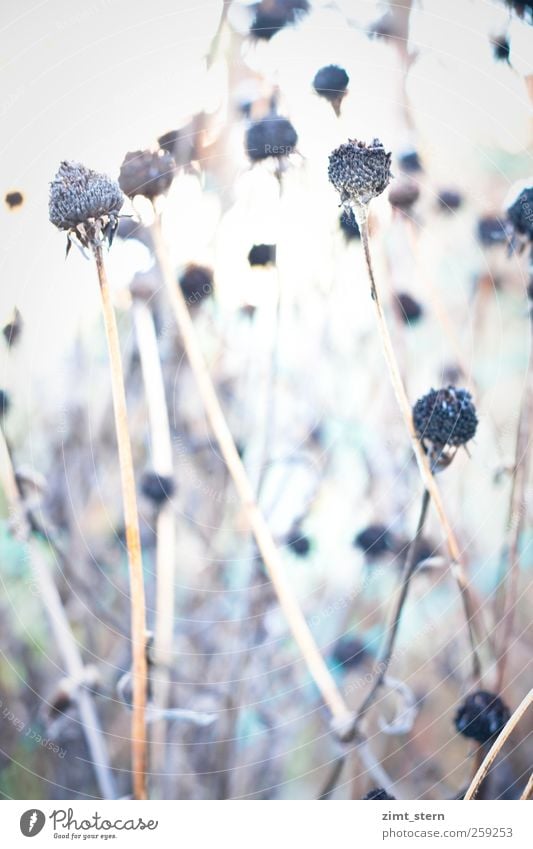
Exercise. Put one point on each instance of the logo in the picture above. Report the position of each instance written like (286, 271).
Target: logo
(32, 822)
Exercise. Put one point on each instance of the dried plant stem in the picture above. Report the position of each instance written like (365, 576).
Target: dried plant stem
(517, 514)
(133, 541)
(396, 611)
(256, 521)
(497, 746)
(64, 638)
(421, 458)
(161, 455)
(527, 792)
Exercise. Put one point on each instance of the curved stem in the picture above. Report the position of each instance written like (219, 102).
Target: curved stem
(256, 521)
(527, 792)
(420, 455)
(495, 749)
(133, 541)
(396, 611)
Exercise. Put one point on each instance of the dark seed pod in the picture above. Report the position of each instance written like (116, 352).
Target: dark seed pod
(14, 199)
(13, 328)
(449, 200)
(271, 16)
(349, 225)
(359, 171)
(272, 136)
(148, 173)
(523, 8)
(157, 488)
(409, 162)
(481, 716)
(5, 404)
(349, 652)
(445, 417)
(404, 193)
(298, 542)
(262, 255)
(501, 48)
(491, 231)
(520, 213)
(331, 82)
(375, 540)
(196, 283)
(409, 310)
(378, 793)
(84, 202)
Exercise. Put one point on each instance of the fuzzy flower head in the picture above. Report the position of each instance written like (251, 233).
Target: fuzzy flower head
(445, 418)
(359, 171)
(85, 203)
(378, 794)
(148, 173)
(481, 716)
(520, 214)
(331, 82)
(271, 16)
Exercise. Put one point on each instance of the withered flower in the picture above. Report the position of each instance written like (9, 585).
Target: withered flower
(84, 203)
(147, 173)
(359, 171)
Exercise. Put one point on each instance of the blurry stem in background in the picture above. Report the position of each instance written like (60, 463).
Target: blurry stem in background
(66, 643)
(396, 611)
(361, 214)
(133, 542)
(343, 719)
(515, 524)
(496, 747)
(161, 456)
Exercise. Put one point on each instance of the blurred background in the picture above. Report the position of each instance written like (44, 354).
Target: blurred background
(293, 350)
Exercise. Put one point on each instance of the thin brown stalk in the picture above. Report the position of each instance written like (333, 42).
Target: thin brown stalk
(527, 792)
(517, 514)
(396, 611)
(64, 638)
(161, 457)
(133, 540)
(420, 455)
(497, 746)
(255, 519)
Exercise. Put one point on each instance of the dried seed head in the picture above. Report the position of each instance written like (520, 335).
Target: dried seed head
(14, 199)
(84, 202)
(359, 171)
(262, 255)
(481, 716)
(404, 193)
(349, 225)
(378, 793)
(331, 82)
(148, 173)
(409, 161)
(196, 283)
(520, 213)
(445, 417)
(271, 16)
(500, 47)
(13, 328)
(298, 542)
(157, 488)
(449, 200)
(5, 404)
(271, 136)
(491, 231)
(349, 652)
(375, 540)
(409, 309)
